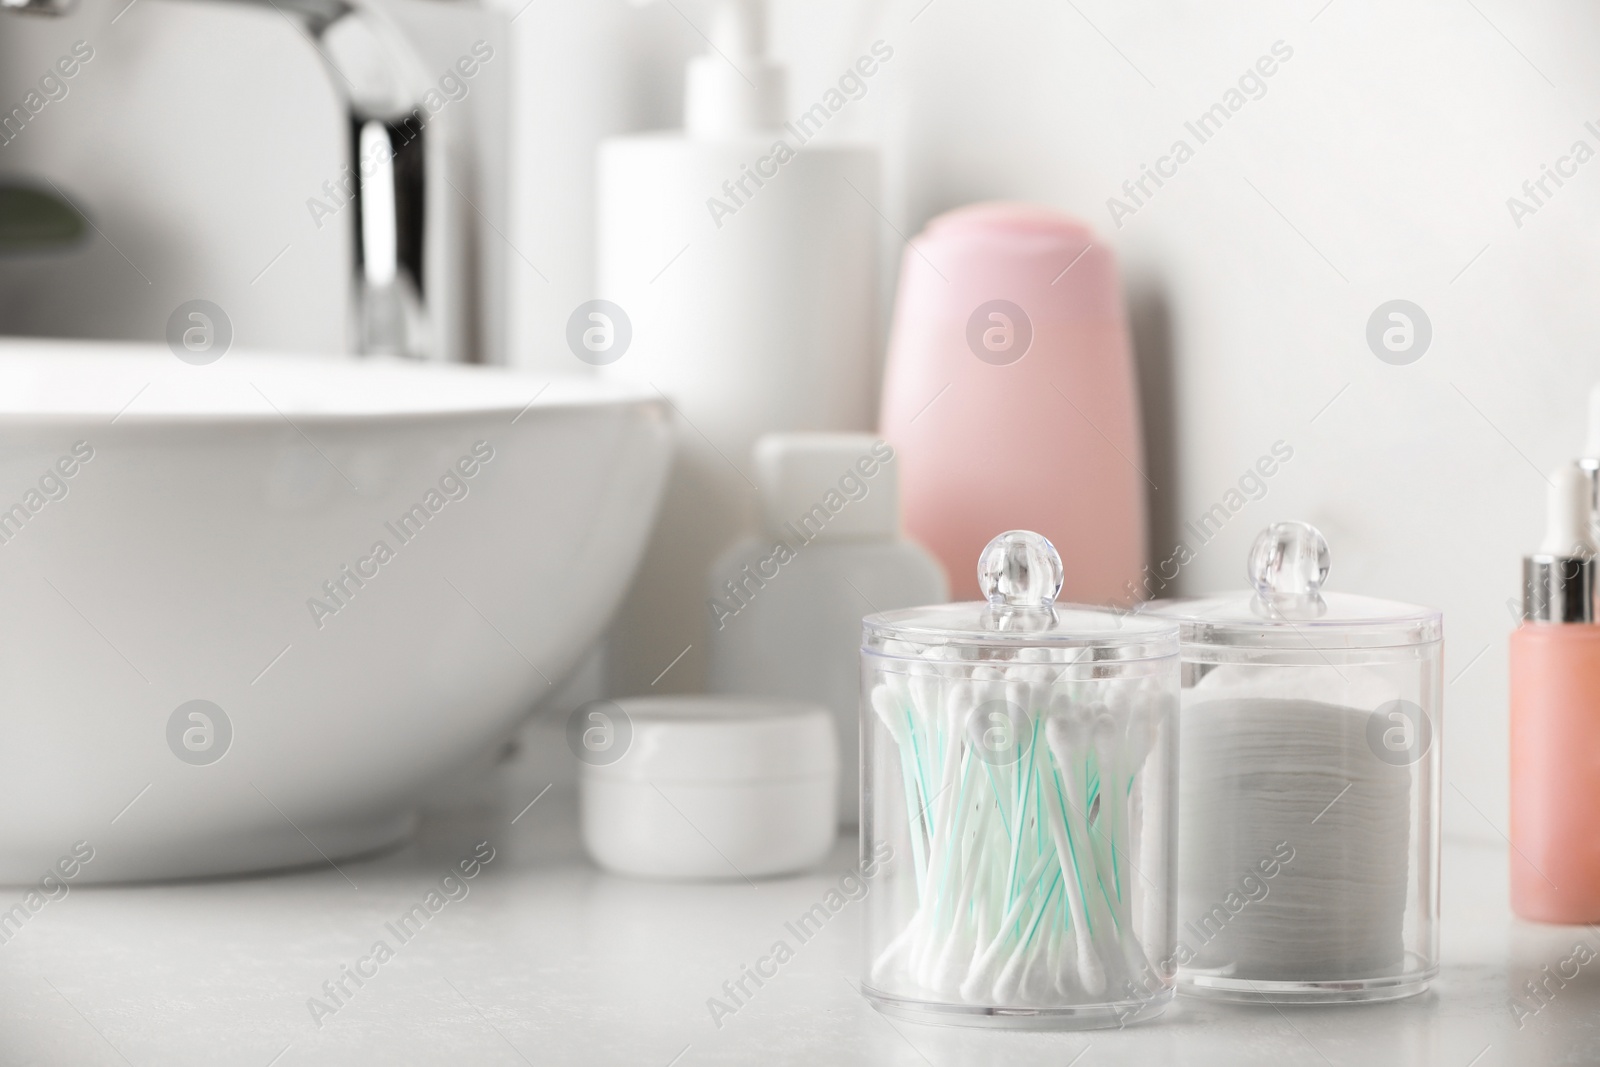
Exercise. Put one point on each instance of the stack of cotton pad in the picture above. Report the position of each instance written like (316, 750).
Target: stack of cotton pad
(1294, 835)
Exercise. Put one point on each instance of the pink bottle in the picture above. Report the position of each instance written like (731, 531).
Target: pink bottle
(1555, 719)
(1010, 397)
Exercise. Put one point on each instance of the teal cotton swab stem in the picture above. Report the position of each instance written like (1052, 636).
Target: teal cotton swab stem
(1067, 738)
(1112, 754)
(898, 722)
(1023, 889)
(947, 835)
(1091, 972)
(949, 823)
(1109, 924)
(985, 968)
(1028, 953)
(962, 939)
(1017, 841)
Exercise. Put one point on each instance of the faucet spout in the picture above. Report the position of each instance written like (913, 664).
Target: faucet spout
(393, 159)
(399, 307)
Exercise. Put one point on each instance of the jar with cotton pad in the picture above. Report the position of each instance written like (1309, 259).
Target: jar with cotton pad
(1309, 793)
(1018, 790)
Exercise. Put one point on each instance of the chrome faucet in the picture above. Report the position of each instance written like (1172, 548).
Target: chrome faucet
(401, 302)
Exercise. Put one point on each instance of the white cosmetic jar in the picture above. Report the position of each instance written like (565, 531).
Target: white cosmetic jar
(711, 787)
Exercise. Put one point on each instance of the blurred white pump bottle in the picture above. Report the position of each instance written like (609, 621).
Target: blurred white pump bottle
(743, 250)
(785, 605)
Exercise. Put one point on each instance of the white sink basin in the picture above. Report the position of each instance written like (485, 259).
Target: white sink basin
(186, 560)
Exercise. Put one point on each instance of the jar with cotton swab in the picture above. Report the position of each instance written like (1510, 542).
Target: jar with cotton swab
(1019, 767)
(1309, 795)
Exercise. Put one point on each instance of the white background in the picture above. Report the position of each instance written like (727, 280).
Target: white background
(1377, 166)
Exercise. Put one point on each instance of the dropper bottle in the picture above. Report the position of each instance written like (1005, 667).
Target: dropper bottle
(1555, 717)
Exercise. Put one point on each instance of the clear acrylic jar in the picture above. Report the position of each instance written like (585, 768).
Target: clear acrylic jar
(1309, 790)
(1018, 790)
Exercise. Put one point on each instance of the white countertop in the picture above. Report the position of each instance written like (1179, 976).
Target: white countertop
(548, 961)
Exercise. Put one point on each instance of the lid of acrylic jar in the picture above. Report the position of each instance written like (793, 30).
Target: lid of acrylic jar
(1287, 609)
(1020, 574)
(707, 740)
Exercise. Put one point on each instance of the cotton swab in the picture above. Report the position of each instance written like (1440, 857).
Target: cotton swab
(1025, 853)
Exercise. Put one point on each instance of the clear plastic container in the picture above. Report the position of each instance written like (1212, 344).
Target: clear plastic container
(1309, 791)
(1018, 791)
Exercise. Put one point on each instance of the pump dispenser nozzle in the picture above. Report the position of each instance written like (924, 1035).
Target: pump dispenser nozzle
(1558, 580)
(734, 89)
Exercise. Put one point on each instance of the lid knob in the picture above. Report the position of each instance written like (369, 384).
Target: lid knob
(1020, 569)
(1288, 564)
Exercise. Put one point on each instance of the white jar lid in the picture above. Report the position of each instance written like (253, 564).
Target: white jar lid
(719, 739)
(1288, 614)
(1020, 575)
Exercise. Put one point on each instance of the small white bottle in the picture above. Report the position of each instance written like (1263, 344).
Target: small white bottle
(785, 607)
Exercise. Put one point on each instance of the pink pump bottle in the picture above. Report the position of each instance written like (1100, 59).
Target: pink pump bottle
(1555, 720)
(1010, 398)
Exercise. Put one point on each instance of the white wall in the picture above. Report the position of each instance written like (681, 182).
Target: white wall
(1376, 166)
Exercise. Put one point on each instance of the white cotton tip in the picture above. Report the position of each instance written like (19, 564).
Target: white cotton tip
(884, 703)
(1567, 530)
(1036, 666)
(900, 686)
(1008, 987)
(959, 700)
(954, 962)
(979, 984)
(1065, 967)
(1021, 695)
(988, 683)
(925, 954)
(1055, 734)
(986, 967)
(1091, 972)
(1104, 734)
(1050, 987)
(1060, 703)
(1067, 689)
(928, 693)
(1066, 734)
(1082, 717)
(1119, 695)
(892, 961)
